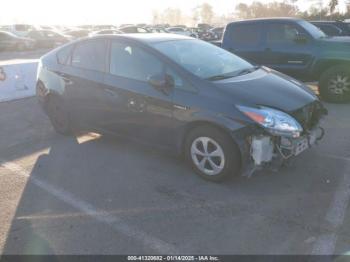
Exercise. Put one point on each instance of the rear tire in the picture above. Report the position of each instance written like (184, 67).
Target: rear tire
(212, 154)
(59, 116)
(335, 84)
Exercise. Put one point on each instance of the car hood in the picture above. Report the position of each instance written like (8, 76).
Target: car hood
(337, 39)
(266, 87)
(336, 44)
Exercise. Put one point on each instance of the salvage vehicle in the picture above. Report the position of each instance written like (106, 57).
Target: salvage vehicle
(296, 48)
(10, 41)
(20, 30)
(77, 33)
(218, 32)
(106, 32)
(48, 38)
(333, 28)
(133, 30)
(181, 31)
(225, 115)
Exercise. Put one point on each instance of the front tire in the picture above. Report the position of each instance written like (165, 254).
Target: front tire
(335, 84)
(212, 154)
(59, 116)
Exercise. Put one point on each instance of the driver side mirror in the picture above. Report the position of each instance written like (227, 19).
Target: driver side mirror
(162, 82)
(301, 38)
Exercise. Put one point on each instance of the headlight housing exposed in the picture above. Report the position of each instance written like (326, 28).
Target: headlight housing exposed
(274, 121)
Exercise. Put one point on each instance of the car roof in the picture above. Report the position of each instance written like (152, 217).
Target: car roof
(9, 33)
(272, 19)
(144, 38)
(324, 22)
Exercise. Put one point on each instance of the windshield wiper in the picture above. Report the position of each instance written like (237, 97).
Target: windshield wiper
(236, 73)
(247, 70)
(219, 77)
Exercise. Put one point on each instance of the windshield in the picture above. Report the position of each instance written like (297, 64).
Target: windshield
(202, 59)
(313, 30)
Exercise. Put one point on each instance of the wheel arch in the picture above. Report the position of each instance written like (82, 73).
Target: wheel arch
(44, 94)
(205, 123)
(324, 65)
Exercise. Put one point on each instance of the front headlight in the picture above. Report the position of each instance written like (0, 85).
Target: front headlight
(276, 122)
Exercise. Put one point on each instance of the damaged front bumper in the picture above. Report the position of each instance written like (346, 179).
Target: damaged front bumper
(272, 151)
(267, 150)
(265, 147)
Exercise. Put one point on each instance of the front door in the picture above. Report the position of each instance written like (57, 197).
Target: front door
(285, 52)
(134, 107)
(245, 40)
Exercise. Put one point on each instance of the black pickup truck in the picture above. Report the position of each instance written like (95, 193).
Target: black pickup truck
(296, 48)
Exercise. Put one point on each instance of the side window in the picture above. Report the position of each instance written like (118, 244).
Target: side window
(141, 30)
(133, 62)
(90, 55)
(282, 33)
(64, 54)
(178, 81)
(330, 30)
(246, 34)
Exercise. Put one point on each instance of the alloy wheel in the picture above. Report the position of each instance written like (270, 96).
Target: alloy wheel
(208, 156)
(339, 84)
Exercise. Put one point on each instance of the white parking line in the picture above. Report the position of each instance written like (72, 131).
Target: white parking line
(336, 157)
(114, 222)
(325, 245)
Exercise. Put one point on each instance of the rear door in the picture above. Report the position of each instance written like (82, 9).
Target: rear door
(84, 81)
(245, 40)
(284, 53)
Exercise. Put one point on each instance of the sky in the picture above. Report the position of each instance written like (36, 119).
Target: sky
(74, 12)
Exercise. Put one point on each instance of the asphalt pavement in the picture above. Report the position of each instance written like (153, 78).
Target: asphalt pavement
(92, 194)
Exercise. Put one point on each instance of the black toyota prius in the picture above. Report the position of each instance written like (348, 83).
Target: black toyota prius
(225, 115)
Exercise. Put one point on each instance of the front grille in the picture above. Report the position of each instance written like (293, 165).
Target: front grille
(309, 115)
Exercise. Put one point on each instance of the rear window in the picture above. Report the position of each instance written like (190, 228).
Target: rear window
(330, 30)
(63, 55)
(246, 34)
(90, 55)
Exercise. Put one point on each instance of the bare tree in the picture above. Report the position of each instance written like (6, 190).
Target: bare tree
(156, 17)
(243, 10)
(206, 13)
(195, 15)
(332, 5)
(172, 16)
(272, 9)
